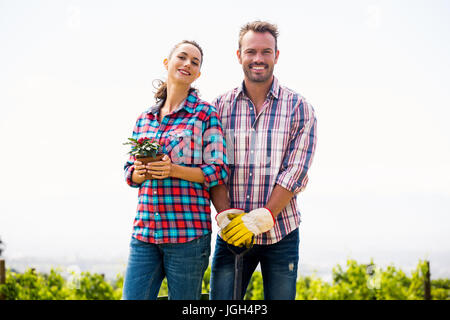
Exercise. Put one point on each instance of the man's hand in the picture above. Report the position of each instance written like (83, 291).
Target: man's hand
(241, 230)
(223, 218)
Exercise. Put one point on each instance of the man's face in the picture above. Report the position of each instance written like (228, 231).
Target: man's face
(258, 56)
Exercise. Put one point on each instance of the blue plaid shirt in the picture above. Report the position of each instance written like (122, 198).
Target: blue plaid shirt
(175, 210)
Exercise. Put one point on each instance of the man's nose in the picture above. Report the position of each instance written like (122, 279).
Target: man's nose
(259, 57)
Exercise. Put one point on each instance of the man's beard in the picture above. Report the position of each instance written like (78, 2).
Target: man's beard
(261, 77)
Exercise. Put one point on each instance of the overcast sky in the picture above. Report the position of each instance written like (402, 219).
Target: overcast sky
(74, 76)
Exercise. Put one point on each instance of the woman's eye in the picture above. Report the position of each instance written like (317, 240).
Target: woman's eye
(194, 63)
(181, 57)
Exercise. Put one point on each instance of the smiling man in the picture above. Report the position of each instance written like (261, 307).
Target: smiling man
(271, 138)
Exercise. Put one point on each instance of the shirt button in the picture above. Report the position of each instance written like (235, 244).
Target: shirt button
(155, 192)
(248, 197)
(251, 151)
(156, 213)
(250, 174)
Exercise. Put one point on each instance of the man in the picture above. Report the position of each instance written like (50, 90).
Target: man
(271, 137)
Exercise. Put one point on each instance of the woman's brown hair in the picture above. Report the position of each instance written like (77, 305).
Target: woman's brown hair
(161, 92)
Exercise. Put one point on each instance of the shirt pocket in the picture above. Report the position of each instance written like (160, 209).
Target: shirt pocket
(278, 144)
(180, 146)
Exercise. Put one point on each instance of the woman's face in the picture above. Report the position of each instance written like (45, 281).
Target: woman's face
(183, 66)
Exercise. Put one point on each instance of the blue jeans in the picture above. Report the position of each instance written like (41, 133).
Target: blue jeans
(279, 263)
(183, 264)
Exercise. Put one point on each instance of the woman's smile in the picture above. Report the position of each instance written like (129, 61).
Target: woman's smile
(184, 72)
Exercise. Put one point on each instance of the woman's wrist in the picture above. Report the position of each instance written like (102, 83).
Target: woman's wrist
(174, 171)
(192, 174)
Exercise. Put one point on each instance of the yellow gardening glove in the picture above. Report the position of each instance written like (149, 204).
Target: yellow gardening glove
(231, 217)
(236, 230)
(243, 228)
(223, 218)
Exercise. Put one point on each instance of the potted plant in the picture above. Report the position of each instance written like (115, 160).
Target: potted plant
(145, 150)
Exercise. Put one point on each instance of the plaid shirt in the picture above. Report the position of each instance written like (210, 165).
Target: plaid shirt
(274, 147)
(174, 210)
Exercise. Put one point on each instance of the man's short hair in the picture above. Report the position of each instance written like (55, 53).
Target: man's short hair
(259, 26)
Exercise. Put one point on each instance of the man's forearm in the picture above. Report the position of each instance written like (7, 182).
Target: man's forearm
(219, 197)
(279, 199)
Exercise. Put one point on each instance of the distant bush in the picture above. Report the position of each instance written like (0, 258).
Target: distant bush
(368, 282)
(362, 282)
(32, 285)
(355, 282)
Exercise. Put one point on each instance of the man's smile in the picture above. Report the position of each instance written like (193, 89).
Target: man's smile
(257, 68)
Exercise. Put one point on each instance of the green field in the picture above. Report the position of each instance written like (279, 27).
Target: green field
(351, 282)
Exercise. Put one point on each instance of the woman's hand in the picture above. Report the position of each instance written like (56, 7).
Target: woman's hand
(165, 168)
(139, 172)
(160, 169)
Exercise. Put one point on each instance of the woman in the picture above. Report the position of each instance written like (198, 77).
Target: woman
(172, 229)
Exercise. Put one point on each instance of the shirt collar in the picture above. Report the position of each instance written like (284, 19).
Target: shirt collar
(274, 89)
(188, 104)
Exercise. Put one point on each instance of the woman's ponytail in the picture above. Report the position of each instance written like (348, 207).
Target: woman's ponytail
(161, 90)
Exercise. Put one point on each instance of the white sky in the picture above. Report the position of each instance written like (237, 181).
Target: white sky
(74, 76)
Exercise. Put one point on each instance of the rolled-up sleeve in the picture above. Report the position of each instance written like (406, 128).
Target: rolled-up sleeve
(129, 165)
(129, 168)
(293, 174)
(214, 166)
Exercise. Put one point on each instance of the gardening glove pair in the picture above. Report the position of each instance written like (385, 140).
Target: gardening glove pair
(242, 229)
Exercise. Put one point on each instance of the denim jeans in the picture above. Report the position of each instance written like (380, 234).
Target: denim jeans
(279, 263)
(183, 264)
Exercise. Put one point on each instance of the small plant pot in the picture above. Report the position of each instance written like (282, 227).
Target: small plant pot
(146, 160)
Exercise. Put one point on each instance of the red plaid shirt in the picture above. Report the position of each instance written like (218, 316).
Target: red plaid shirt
(175, 210)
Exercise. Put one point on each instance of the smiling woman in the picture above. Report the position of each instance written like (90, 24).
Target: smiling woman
(172, 229)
